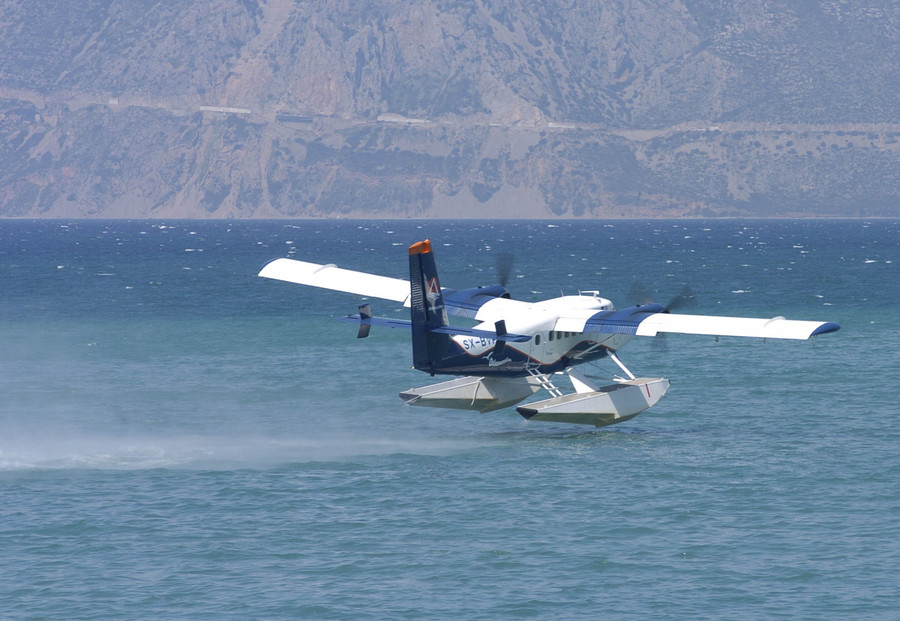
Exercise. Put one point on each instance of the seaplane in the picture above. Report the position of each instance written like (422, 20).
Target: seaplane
(517, 348)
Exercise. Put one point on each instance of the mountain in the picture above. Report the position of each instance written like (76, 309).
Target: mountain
(449, 108)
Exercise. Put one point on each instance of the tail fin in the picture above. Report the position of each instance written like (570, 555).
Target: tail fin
(427, 308)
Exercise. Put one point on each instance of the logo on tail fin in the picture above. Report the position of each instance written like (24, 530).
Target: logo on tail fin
(433, 295)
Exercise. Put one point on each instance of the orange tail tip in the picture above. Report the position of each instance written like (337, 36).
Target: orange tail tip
(422, 247)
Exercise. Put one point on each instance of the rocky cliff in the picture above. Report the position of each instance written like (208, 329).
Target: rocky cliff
(448, 108)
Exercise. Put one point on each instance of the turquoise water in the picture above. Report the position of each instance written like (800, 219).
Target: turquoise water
(182, 439)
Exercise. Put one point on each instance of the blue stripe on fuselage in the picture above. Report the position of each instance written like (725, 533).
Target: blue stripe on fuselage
(513, 362)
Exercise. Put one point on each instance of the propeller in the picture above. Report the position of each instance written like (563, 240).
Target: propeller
(686, 298)
(638, 295)
(503, 264)
(500, 327)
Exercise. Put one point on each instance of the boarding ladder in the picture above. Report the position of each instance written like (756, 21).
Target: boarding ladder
(545, 382)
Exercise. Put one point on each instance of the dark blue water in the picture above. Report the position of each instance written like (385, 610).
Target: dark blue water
(182, 439)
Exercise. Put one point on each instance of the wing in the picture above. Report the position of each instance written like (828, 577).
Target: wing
(338, 279)
(651, 319)
(774, 328)
(486, 304)
(465, 303)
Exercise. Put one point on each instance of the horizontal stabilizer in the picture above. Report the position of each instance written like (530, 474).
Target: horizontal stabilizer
(451, 330)
(376, 321)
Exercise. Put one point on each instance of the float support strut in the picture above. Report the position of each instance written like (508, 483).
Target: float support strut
(615, 359)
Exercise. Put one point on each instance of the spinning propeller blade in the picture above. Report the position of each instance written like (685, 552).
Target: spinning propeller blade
(639, 296)
(504, 264)
(686, 298)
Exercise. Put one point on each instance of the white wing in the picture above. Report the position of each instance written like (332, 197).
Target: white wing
(337, 279)
(558, 310)
(775, 328)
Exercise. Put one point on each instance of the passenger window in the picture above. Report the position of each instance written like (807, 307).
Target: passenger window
(537, 339)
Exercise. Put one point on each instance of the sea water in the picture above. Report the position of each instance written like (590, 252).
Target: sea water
(182, 439)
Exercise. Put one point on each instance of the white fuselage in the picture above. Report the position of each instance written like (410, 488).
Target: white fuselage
(555, 324)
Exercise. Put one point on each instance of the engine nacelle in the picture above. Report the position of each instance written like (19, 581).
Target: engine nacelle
(468, 301)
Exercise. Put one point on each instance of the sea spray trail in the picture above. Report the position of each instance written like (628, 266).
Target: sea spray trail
(181, 438)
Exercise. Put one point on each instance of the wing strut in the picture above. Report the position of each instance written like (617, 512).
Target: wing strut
(615, 359)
